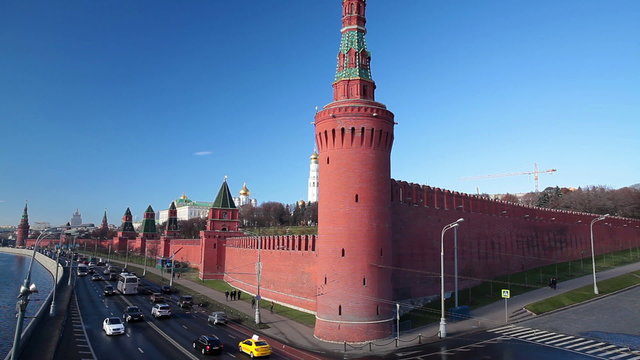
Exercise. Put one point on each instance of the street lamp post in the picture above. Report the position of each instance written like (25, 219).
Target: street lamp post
(173, 264)
(71, 261)
(52, 309)
(593, 258)
(26, 290)
(455, 264)
(144, 269)
(258, 274)
(443, 322)
(126, 256)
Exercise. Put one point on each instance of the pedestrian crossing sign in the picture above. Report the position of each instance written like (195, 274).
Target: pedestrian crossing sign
(506, 293)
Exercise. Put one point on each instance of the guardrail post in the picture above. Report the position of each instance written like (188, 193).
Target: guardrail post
(396, 342)
(369, 345)
(419, 338)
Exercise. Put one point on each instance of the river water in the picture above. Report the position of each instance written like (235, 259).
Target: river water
(13, 269)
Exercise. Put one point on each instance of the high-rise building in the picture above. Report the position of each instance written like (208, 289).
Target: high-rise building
(76, 219)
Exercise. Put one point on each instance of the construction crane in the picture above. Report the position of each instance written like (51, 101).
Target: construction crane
(535, 174)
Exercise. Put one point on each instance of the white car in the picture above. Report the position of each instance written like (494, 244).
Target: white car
(113, 326)
(161, 310)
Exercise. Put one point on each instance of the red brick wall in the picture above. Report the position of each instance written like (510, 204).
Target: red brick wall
(288, 270)
(496, 237)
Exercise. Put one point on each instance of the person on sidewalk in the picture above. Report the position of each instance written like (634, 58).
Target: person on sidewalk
(253, 303)
(239, 294)
(271, 307)
(233, 295)
(226, 295)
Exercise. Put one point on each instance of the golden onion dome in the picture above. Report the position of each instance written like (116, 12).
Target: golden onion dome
(244, 191)
(184, 197)
(314, 156)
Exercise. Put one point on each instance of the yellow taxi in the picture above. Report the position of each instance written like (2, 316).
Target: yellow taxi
(255, 347)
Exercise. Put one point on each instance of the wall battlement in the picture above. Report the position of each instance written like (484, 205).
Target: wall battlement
(276, 242)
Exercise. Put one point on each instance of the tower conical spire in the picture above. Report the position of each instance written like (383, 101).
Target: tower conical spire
(22, 233)
(353, 73)
(105, 224)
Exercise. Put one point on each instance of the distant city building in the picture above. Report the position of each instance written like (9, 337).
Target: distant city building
(76, 219)
(314, 174)
(40, 225)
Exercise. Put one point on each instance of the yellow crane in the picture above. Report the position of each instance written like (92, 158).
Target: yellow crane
(535, 174)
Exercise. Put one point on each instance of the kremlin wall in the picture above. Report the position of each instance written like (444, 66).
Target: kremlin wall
(378, 239)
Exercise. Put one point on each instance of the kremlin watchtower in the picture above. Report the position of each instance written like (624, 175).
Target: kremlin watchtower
(354, 135)
(22, 233)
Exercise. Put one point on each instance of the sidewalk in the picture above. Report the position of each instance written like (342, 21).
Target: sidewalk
(286, 331)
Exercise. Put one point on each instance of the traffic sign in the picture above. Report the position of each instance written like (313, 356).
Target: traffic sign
(506, 293)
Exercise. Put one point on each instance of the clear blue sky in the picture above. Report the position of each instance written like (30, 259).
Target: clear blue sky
(107, 104)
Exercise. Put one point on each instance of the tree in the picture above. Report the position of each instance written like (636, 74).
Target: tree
(190, 229)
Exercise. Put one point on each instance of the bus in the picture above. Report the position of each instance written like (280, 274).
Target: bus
(127, 284)
(82, 270)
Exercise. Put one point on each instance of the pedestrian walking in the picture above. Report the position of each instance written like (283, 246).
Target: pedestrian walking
(239, 294)
(271, 307)
(233, 295)
(253, 303)
(226, 295)
(554, 283)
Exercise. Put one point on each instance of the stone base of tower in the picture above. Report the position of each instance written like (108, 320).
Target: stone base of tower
(352, 332)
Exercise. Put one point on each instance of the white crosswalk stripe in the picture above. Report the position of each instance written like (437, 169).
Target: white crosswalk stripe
(601, 350)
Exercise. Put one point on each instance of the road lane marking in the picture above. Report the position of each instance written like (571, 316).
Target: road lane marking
(578, 344)
(142, 352)
(589, 346)
(600, 349)
(184, 326)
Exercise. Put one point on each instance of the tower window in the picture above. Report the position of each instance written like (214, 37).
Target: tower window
(325, 280)
(343, 252)
(327, 160)
(356, 197)
(377, 309)
(224, 214)
(364, 281)
(339, 309)
(380, 251)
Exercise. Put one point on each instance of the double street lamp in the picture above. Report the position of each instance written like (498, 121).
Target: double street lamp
(443, 322)
(26, 289)
(593, 259)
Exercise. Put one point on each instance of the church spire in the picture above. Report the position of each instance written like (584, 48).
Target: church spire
(105, 224)
(22, 233)
(353, 74)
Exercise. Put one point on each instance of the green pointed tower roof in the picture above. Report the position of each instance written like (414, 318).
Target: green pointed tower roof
(149, 222)
(224, 200)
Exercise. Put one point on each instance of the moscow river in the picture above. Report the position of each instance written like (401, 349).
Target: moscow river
(14, 269)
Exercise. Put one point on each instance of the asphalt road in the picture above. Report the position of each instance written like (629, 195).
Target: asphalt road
(169, 338)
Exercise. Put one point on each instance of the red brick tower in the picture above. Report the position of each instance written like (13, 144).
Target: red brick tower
(105, 224)
(222, 222)
(148, 231)
(171, 228)
(22, 233)
(125, 233)
(354, 135)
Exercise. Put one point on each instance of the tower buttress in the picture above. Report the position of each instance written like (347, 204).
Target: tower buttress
(22, 233)
(354, 136)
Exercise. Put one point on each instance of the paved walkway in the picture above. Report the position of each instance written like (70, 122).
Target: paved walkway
(287, 331)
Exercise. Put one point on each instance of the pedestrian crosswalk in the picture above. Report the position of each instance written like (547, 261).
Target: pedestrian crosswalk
(594, 348)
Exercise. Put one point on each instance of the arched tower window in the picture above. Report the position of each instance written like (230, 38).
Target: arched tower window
(364, 281)
(339, 309)
(343, 252)
(224, 215)
(356, 197)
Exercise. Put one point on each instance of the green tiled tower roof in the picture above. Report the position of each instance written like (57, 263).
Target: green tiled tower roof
(127, 225)
(353, 40)
(149, 222)
(224, 200)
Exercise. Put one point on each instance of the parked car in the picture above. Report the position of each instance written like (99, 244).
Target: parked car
(166, 289)
(156, 297)
(96, 277)
(255, 347)
(186, 301)
(92, 271)
(108, 290)
(161, 310)
(113, 326)
(217, 317)
(132, 313)
(208, 344)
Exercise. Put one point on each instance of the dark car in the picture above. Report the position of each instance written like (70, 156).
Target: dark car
(208, 344)
(108, 290)
(96, 277)
(92, 271)
(113, 276)
(186, 301)
(132, 313)
(166, 289)
(156, 297)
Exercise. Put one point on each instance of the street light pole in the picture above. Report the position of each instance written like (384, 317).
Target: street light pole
(593, 258)
(52, 309)
(71, 261)
(126, 256)
(144, 269)
(443, 322)
(258, 274)
(455, 264)
(26, 290)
